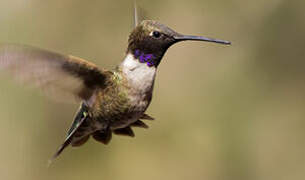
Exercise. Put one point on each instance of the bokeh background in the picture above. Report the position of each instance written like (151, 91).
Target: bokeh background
(221, 112)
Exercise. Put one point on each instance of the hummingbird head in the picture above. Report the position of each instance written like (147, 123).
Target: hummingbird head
(150, 39)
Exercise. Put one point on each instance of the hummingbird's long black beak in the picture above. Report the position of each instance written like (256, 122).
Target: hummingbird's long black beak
(200, 38)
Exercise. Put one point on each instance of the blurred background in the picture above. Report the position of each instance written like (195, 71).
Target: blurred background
(221, 112)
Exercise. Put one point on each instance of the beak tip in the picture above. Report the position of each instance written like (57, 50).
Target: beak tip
(227, 43)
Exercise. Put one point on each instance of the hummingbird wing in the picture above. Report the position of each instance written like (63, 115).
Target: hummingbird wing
(68, 140)
(61, 76)
(135, 14)
(76, 132)
(139, 14)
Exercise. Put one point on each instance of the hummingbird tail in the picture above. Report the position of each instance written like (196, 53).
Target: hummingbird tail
(147, 117)
(103, 136)
(127, 131)
(80, 141)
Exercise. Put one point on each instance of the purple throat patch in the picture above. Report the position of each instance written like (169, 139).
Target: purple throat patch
(144, 58)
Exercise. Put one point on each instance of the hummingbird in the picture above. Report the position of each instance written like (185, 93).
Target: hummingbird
(111, 101)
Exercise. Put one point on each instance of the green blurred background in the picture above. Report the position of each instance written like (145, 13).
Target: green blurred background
(221, 112)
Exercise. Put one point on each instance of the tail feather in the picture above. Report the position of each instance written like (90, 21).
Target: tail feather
(127, 131)
(103, 136)
(80, 141)
(147, 117)
(139, 123)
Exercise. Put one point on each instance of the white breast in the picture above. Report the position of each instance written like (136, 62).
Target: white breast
(140, 76)
(141, 79)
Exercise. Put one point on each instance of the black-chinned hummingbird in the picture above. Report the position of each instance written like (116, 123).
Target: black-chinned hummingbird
(112, 101)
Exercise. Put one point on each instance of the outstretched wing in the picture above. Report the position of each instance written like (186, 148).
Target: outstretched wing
(59, 76)
(138, 14)
(76, 132)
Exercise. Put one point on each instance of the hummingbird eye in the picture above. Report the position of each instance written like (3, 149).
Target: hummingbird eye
(156, 34)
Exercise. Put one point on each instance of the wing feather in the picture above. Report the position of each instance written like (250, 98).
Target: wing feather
(61, 76)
